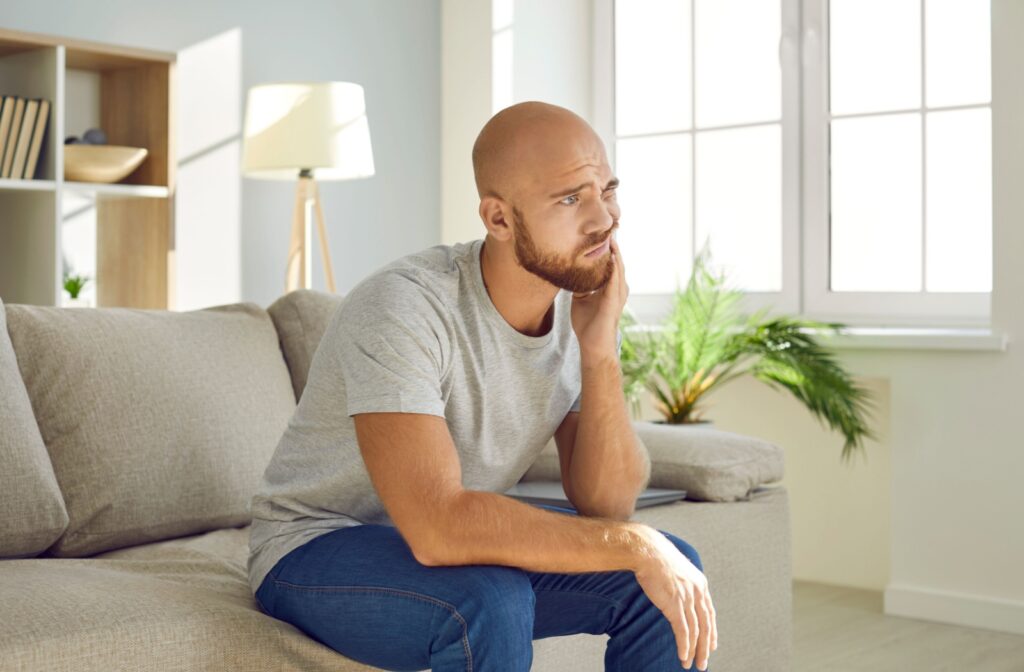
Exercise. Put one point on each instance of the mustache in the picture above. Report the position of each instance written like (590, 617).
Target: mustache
(600, 241)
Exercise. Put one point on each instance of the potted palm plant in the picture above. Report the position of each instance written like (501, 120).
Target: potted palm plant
(704, 342)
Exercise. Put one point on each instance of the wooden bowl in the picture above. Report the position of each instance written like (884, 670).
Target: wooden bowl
(101, 163)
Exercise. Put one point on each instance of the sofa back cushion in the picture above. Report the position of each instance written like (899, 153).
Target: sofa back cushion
(301, 316)
(159, 424)
(32, 513)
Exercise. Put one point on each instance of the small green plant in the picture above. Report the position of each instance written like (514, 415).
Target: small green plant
(73, 284)
(704, 343)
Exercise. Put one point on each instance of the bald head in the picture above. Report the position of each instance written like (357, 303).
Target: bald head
(519, 144)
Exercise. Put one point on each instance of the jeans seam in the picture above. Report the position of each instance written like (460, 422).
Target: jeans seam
(394, 591)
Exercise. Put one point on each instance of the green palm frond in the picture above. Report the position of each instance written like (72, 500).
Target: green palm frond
(704, 343)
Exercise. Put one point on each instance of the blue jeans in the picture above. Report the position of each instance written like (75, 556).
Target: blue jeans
(360, 591)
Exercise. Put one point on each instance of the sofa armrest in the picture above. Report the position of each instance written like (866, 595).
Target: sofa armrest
(710, 464)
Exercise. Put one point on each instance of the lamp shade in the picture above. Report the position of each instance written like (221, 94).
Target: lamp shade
(319, 126)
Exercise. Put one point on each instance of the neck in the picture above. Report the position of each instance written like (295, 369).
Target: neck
(524, 300)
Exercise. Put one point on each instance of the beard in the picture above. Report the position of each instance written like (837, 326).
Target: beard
(577, 277)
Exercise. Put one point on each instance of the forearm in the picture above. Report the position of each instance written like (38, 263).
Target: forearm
(609, 466)
(488, 528)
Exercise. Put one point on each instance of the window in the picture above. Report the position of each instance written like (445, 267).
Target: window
(502, 15)
(834, 154)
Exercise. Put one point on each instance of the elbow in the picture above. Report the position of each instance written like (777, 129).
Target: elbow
(425, 559)
(426, 546)
(619, 513)
(427, 551)
(432, 544)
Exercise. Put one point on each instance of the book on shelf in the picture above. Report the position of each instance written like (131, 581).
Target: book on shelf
(6, 116)
(38, 133)
(24, 138)
(12, 137)
(23, 123)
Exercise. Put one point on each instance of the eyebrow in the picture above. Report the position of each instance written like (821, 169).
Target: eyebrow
(614, 182)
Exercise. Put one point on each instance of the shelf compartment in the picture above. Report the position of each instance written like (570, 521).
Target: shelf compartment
(28, 244)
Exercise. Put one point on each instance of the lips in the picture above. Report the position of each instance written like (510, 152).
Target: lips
(599, 249)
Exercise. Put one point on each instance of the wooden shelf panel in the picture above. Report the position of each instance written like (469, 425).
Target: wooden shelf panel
(82, 54)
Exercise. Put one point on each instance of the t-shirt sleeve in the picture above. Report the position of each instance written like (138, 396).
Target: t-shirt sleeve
(392, 349)
(579, 397)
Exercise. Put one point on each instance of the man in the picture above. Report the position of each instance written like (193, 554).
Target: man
(381, 529)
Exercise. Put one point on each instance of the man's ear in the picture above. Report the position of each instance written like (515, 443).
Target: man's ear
(496, 214)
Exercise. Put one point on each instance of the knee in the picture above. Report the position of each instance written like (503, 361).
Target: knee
(686, 549)
(502, 593)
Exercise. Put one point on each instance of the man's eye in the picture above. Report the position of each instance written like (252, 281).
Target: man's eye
(563, 201)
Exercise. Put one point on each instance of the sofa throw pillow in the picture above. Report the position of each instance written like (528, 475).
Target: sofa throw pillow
(32, 513)
(159, 424)
(301, 316)
(710, 464)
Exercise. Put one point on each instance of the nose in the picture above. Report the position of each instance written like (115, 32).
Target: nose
(601, 217)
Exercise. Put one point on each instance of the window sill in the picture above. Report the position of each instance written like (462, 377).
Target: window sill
(915, 338)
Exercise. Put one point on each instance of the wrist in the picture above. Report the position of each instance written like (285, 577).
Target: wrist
(642, 546)
(599, 360)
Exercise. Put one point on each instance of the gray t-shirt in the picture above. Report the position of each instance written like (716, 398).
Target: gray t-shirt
(420, 335)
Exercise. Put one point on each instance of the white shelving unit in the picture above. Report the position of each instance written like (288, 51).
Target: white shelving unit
(129, 94)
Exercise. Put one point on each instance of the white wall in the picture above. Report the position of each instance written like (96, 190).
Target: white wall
(551, 47)
(232, 232)
(935, 515)
(465, 108)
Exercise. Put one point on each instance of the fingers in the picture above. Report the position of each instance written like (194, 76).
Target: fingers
(714, 624)
(682, 633)
(704, 637)
(695, 630)
(620, 265)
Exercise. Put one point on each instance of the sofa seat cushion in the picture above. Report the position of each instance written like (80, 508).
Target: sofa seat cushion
(182, 604)
(32, 513)
(159, 424)
(710, 464)
(301, 316)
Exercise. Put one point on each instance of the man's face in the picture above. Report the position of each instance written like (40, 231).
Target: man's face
(573, 271)
(552, 240)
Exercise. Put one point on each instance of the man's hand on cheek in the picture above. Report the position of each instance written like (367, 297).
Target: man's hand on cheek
(595, 316)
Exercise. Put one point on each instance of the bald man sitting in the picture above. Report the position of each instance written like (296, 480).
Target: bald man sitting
(380, 528)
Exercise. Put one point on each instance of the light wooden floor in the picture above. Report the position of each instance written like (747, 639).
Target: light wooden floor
(837, 629)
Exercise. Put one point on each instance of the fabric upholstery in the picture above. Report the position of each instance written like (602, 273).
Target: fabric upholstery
(184, 604)
(710, 464)
(32, 513)
(180, 605)
(745, 548)
(158, 423)
(301, 317)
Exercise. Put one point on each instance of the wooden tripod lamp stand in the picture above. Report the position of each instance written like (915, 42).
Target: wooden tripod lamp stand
(307, 131)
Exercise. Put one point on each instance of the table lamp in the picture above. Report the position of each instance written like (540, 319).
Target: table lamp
(307, 131)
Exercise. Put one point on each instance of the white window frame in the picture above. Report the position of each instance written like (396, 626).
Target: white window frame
(803, 53)
(902, 308)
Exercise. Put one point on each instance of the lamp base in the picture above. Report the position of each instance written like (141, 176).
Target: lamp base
(299, 271)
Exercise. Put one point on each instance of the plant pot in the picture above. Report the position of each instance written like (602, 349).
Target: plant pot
(76, 303)
(699, 423)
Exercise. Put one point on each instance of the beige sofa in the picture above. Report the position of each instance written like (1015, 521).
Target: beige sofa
(131, 442)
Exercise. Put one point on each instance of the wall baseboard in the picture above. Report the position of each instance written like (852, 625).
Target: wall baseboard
(975, 611)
